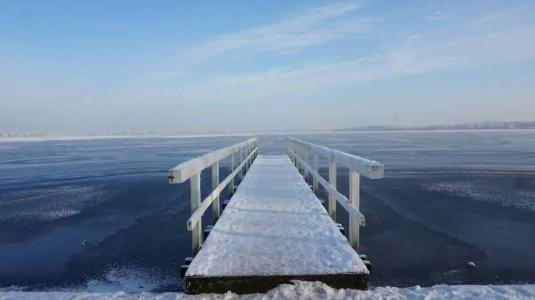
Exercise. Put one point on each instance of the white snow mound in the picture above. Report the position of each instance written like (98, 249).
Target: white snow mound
(313, 290)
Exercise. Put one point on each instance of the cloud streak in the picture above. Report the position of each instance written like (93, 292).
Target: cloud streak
(414, 56)
(313, 27)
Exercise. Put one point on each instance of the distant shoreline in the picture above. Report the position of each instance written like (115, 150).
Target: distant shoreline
(516, 125)
(177, 136)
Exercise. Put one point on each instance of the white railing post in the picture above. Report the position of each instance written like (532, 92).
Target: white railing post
(307, 160)
(302, 166)
(254, 147)
(332, 181)
(354, 197)
(315, 167)
(241, 159)
(232, 166)
(291, 154)
(196, 233)
(289, 151)
(215, 183)
(298, 163)
(245, 153)
(248, 160)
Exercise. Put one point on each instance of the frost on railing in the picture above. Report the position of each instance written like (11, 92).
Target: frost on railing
(243, 153)
(301, 153)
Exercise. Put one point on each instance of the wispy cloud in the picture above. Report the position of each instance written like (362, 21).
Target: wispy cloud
(423, 55)
(293, 33)
(197, 82)
(416, 55)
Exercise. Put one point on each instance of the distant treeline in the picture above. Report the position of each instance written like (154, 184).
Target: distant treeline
(469, 126)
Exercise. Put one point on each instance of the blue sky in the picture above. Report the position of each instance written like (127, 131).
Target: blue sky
(110, 66)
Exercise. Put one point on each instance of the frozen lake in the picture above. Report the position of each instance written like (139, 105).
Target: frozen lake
(99, 214)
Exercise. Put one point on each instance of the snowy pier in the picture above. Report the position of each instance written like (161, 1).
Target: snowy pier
(274, 229)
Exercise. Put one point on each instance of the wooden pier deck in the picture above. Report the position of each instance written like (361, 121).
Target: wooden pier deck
(274, 229)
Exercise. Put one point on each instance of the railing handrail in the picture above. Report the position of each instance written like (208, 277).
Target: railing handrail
(368, 168)
(187, 169)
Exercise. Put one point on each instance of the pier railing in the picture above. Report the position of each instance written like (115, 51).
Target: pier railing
(301, 153)
(242, 154)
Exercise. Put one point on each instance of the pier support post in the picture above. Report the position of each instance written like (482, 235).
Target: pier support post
(196, 233)
(354, 197)
(215, 183)
(315, 166)
(332, 181)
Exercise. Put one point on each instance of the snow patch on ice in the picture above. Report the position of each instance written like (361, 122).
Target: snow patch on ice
(128, 280)
(46, 216)
(312, 290)
(509, 198)
(45, 205)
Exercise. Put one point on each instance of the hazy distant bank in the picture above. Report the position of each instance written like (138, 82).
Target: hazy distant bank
(491, 126)
(59, 137)
(467, 126)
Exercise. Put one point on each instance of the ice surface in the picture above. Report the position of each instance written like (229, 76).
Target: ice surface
(49, 204)
(126, 279)
(313, 290)
(275, 225)
(484, 192)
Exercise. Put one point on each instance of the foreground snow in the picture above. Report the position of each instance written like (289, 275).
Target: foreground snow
(315, 290)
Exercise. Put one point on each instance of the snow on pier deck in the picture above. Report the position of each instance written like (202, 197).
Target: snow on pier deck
(273, 230)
